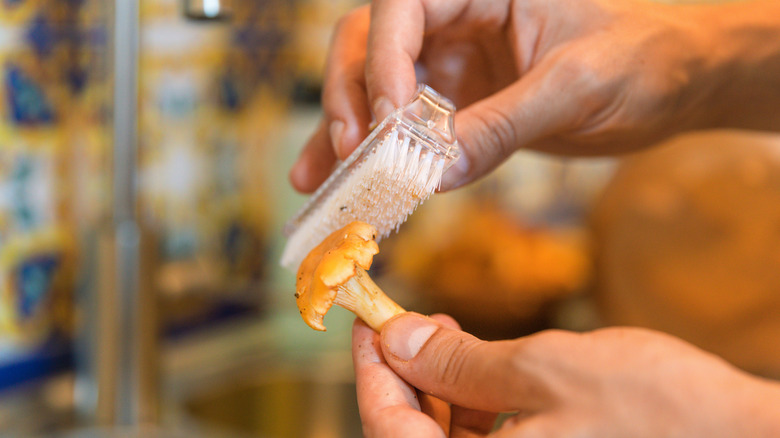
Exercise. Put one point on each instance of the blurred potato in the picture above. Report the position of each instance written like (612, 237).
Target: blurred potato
(688, 242)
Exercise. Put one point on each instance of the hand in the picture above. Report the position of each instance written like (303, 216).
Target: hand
(391, 407)
(575, 77)
(613, 382)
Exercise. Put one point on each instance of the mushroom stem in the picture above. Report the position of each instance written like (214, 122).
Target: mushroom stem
(364, 298)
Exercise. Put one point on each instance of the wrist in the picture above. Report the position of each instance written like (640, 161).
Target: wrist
(760, 413)
(740, 84)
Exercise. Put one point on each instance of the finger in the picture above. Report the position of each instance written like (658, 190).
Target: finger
(457, 422)
(314, 163)
(437, 409)
(468, 423)
(344, 95)
(464, 422)
(388, 406)
(446, 320)
(533, 108)
(457, 367)
(396, 39)
(374, 377)
(536, 426)
(394, 43)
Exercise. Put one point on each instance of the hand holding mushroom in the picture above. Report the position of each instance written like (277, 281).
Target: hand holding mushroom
(335, 272)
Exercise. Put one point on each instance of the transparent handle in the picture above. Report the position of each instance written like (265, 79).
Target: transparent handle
(431, 115)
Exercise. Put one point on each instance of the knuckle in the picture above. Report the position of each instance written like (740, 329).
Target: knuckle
(454, 355)
(553, 336)
(575, 71)
(661, 91)
(538, 361)
(621, 333)
(541, 344)
(336, 87)
(501, 132)
(587, 79)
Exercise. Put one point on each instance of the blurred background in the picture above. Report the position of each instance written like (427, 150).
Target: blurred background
(144, 150)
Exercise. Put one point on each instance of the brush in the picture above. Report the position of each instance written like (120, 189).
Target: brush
(397, 167)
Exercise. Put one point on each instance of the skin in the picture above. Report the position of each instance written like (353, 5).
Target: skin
(389, 406)
(615, 382)
(572, 77)
(580, 77)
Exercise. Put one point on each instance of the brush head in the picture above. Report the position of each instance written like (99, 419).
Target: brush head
(397, 167)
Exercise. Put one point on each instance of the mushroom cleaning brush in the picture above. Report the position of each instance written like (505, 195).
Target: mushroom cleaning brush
(398, 166)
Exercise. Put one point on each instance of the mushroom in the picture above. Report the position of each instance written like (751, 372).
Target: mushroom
(335, 272)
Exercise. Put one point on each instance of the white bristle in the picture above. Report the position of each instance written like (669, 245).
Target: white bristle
(403, 154)
(414, 162)
(391, 153)
(421, 179)
(434, 182)
(383, 190)
(382, 154)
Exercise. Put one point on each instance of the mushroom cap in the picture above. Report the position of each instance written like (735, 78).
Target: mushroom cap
(329, 265)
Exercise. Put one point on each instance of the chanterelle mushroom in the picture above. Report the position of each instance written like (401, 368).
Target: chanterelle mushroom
(335, 272)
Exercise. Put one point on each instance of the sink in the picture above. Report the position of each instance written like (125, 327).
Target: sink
(273, 378)
(280, 404)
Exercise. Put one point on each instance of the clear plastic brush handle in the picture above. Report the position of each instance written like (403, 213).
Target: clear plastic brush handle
(389, 174)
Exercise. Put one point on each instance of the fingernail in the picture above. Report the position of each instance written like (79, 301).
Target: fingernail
(456, 175)
(295, 171)
(404, 336)
(382, 108)
(336, 129)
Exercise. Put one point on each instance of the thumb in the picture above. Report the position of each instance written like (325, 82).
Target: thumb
(455, 366)
(533, 108)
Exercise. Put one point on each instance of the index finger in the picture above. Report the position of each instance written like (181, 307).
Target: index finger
(395, 40)
(388, 406)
